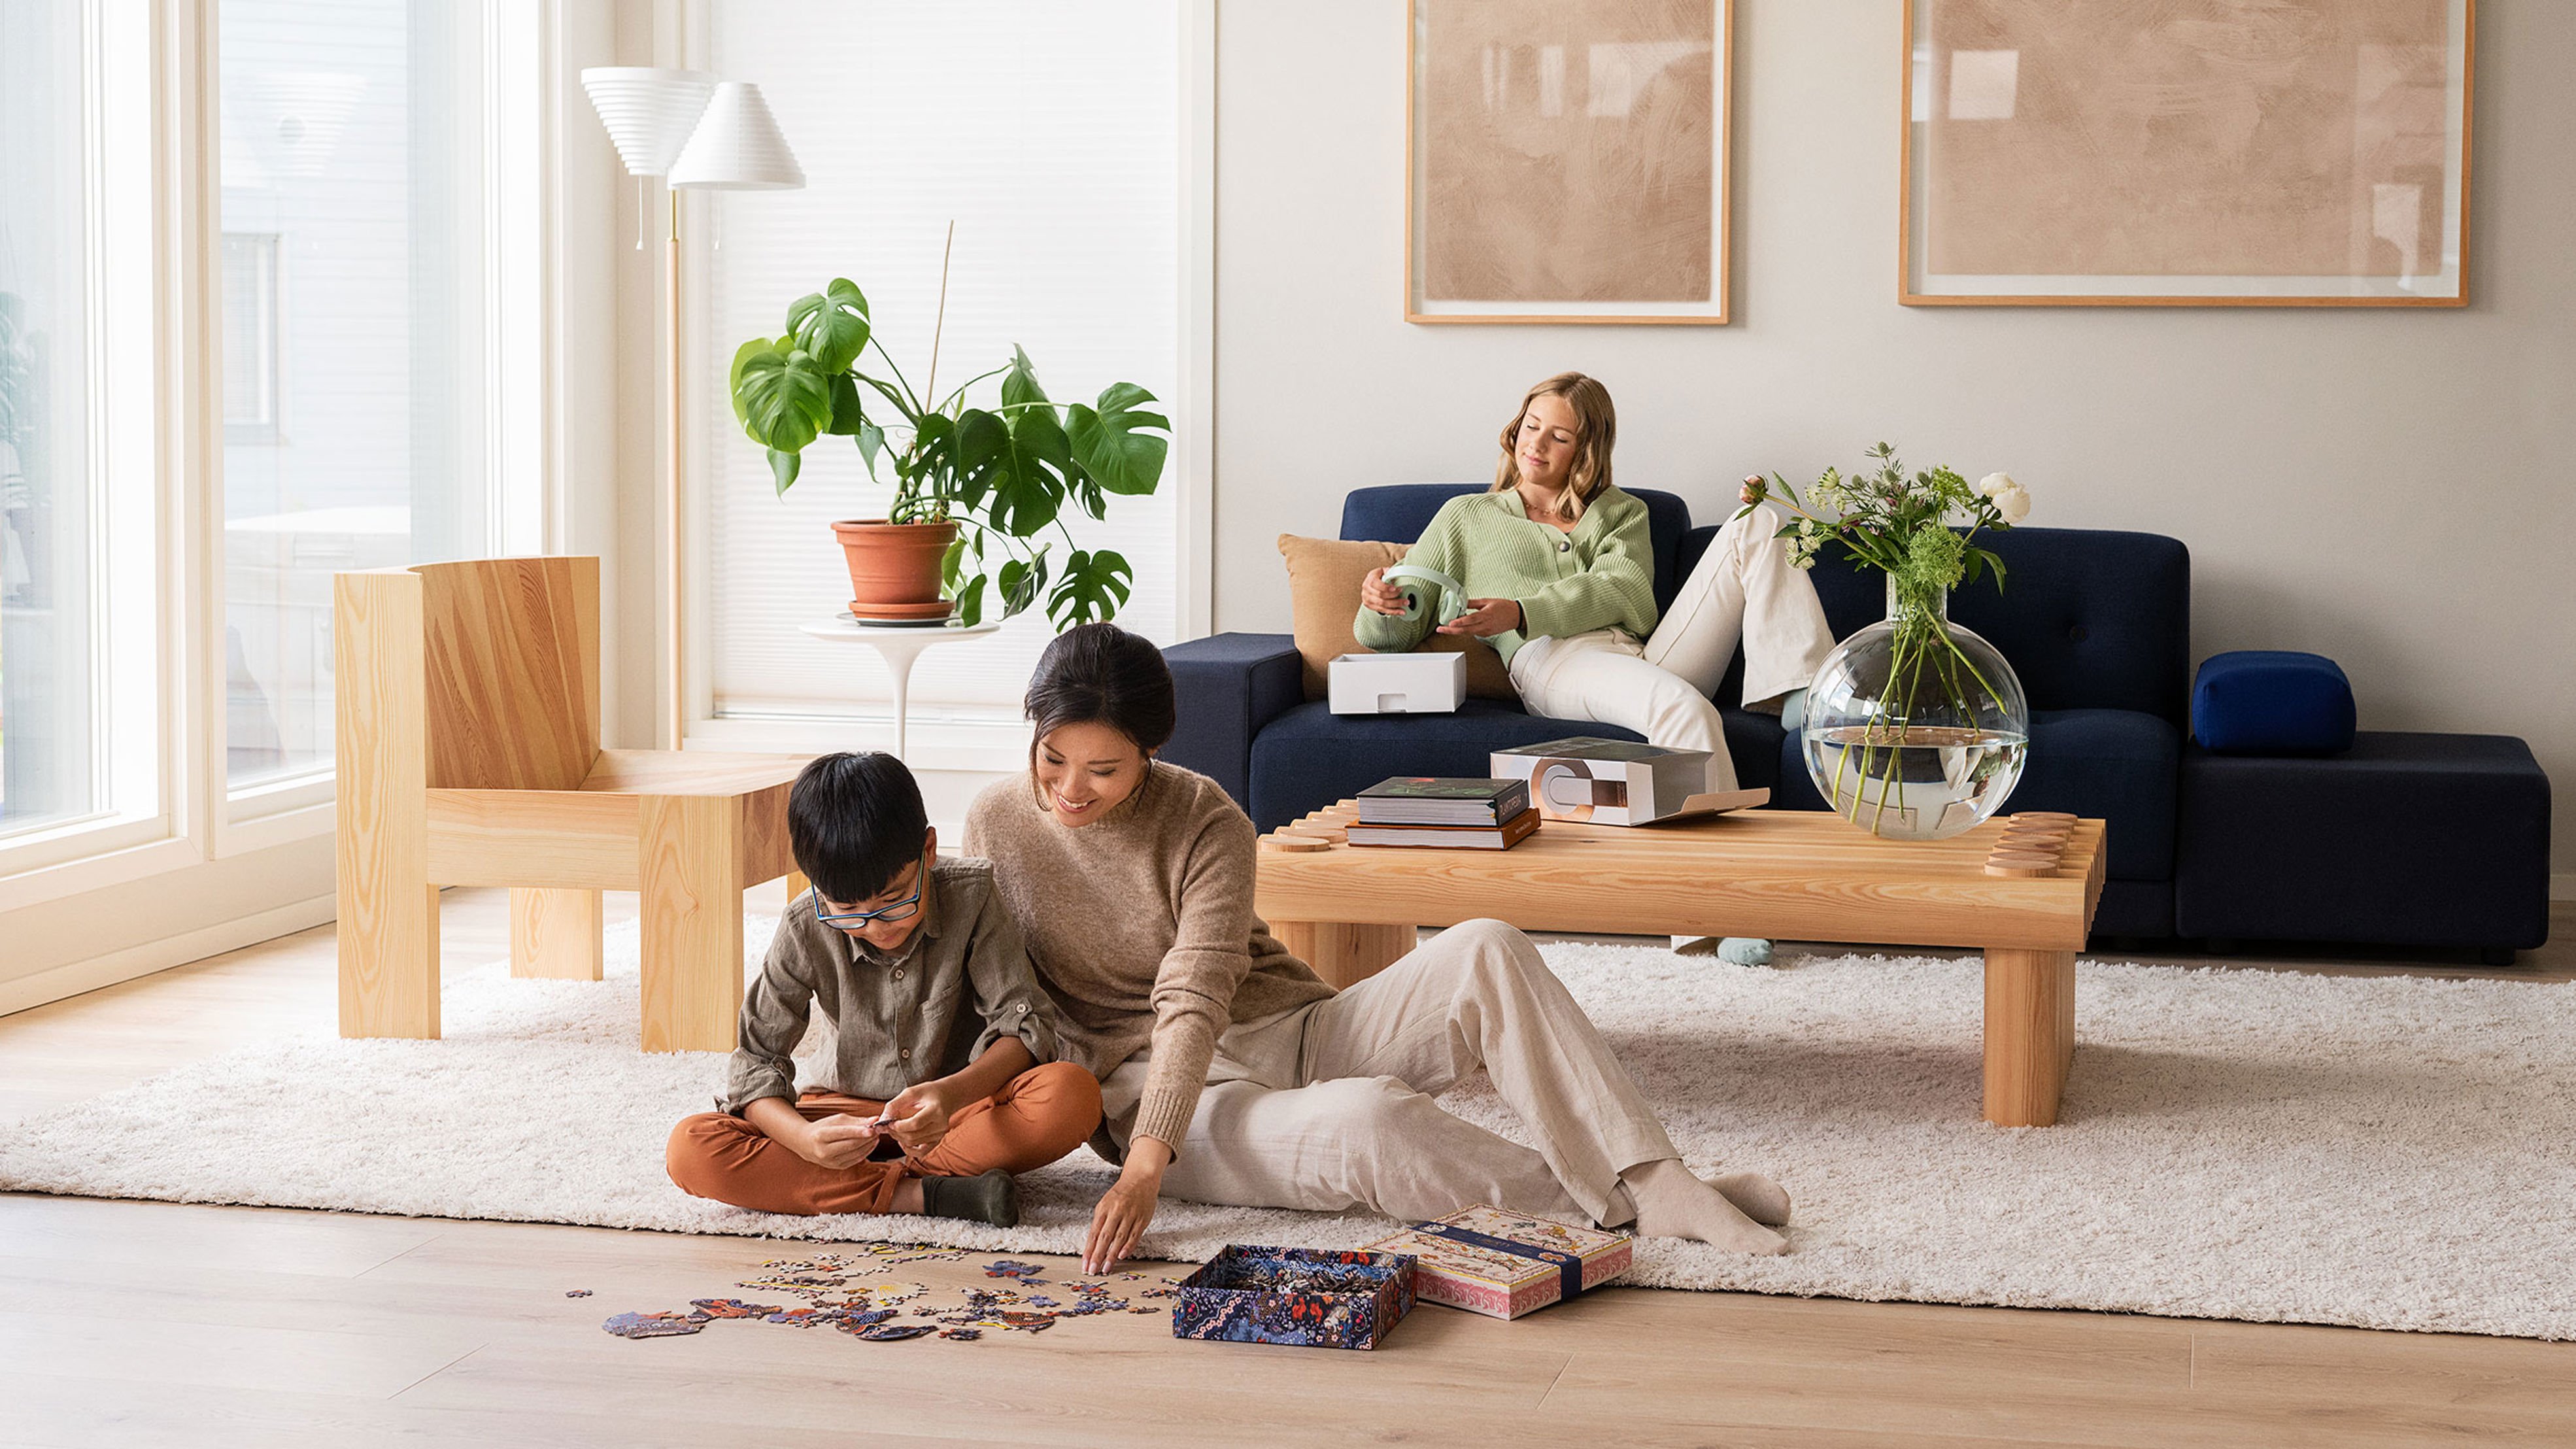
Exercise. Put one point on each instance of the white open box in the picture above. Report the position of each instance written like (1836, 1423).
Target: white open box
(1398, 683)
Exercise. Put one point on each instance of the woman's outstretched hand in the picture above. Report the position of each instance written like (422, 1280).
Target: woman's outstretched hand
(1128, 1207)
(1486, 618)
(1379, 596)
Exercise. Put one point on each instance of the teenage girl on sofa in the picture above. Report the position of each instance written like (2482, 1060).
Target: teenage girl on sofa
(1560, 577)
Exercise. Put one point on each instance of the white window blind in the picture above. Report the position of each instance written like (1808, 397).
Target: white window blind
(1050, 134)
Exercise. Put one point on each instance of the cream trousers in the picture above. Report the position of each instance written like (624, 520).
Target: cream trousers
(1329, 1107)
(1744, 587)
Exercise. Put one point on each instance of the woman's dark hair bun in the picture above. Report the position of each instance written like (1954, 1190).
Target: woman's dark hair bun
(1100, 673)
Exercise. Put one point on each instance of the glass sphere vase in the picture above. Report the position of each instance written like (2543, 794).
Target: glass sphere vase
(1915, 728)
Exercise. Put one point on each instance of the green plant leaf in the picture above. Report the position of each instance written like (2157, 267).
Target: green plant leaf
(783, 466)
(1020, 384)
(970, 603)
(1114, 444)
(733, 382)
(831, 325)
(1011, 471)
(1086, 491)
(871, 443)
(1093, 586)
(849, 410)
(786, 401)
(1021, 583)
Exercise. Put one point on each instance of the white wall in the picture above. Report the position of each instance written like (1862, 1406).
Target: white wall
(2385, 487)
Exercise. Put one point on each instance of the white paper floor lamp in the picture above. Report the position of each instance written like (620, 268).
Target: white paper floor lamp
(696, 132)
(735, 147)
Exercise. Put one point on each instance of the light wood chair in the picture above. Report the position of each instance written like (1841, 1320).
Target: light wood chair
(469, 754)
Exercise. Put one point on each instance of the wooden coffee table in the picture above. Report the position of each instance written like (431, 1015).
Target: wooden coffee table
(1350, 911)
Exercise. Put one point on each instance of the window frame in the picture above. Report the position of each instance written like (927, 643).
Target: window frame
(154, 276)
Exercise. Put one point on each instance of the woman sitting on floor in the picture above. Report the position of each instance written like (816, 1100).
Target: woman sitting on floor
(1560, 575)
(1231, 1074)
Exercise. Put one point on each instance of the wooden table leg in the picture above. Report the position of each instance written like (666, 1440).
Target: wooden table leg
(2030, 1034)
(692, 922)
(555, 933)
(1343, 954)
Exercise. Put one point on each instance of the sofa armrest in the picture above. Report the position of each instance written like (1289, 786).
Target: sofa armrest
(1227, 687)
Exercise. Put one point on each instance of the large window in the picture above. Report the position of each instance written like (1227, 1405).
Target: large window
(354, 356)
(1050, 135)
(51, 765)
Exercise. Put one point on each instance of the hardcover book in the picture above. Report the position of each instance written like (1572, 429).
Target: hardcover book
(1448, 837)
(1433, 800)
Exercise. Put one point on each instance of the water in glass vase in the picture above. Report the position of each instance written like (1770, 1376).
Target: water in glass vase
(1921, 782)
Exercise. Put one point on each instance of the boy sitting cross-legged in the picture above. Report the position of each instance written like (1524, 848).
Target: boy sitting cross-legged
(941, 1080)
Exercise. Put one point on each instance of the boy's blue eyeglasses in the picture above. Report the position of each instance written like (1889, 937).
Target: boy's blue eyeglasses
(901, 910)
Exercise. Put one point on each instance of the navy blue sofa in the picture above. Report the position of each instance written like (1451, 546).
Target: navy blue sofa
(2097, 624)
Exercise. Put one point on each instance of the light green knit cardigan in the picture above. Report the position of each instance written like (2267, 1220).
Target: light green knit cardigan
(1598, 577)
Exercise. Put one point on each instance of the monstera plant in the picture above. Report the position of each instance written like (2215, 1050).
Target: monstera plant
(981, 492)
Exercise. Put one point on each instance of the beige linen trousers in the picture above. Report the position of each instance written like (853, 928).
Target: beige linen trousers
(1329, 1107)
(1744, 587)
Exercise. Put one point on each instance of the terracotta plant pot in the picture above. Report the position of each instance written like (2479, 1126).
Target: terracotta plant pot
(894, 567)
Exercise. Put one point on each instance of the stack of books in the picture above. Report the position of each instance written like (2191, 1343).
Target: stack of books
(1457, 814)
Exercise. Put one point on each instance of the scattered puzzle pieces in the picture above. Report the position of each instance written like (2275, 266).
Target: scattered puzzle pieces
(653, 1325)
(864, 1309)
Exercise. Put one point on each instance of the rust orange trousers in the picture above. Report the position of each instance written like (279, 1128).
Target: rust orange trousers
(1037, 1117)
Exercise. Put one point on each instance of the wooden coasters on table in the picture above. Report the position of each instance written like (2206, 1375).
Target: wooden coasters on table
(2033, 845)
(1283, 840)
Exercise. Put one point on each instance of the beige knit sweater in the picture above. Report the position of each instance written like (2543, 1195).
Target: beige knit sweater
(1142, 928)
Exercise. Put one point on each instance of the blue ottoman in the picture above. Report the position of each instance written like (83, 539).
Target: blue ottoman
(2404, 839)
(2271, 702)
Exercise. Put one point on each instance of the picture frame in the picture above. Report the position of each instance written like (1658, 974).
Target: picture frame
(2180, 156)
(1623, 105)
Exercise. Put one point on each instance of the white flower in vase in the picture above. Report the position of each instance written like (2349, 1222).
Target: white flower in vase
(2013, 503)
(1995, 485)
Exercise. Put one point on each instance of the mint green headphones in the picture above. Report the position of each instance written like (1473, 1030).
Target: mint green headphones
(1452, 594)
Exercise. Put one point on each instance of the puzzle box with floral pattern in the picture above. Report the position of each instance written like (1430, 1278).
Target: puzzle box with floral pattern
(1312, 1297)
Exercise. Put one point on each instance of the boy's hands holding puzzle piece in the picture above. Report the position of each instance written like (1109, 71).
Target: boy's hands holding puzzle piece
(917, 1120)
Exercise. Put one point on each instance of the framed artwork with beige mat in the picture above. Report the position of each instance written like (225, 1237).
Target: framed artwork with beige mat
(2196, 153)
(1566, 160)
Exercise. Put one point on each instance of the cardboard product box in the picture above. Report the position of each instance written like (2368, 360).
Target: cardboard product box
(1505, 1264)
(1607, 782)
(1428, 683)
(1311, 1297)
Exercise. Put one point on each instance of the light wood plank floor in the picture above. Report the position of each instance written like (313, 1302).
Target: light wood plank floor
(150, 1323)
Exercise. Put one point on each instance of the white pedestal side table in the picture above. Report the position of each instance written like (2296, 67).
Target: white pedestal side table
(899, 645)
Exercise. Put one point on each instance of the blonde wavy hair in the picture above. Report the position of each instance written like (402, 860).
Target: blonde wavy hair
(1597, 427)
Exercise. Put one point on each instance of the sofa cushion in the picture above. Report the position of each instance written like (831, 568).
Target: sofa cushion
(1324, 593)
(2113, 764)
(2405, 839)
(1403, 510)
(1311, 757)
(2271, 702)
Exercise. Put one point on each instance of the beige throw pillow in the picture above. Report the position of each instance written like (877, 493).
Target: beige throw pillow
(1324, 593)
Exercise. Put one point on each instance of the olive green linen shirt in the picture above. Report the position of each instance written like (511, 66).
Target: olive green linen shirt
(961, 983)
(1600, 576)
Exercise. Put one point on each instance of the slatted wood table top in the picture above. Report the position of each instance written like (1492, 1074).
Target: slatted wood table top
(1796, 874)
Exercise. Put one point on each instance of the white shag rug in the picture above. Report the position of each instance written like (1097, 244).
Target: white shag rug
(2385, 1153)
